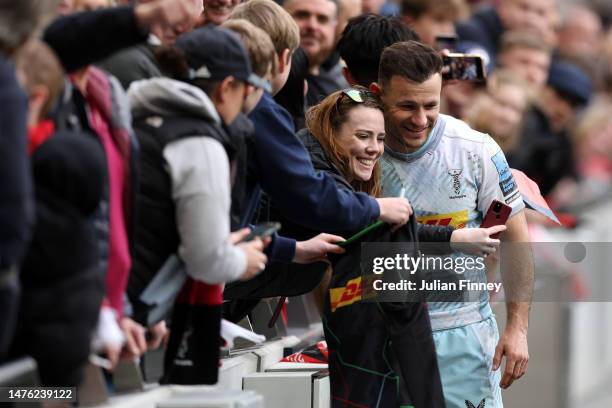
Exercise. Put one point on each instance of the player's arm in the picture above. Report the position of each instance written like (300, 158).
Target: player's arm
(517, 275)
(517, 270)
(516, 261)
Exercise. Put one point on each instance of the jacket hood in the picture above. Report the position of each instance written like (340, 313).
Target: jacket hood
(168, 97)
(320, 159)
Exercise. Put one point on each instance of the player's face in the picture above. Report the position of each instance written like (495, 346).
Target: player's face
(362, 137)
(411, 111)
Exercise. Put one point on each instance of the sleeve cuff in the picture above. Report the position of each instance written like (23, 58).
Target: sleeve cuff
(128, 309)
(281, 249)
(375, 208)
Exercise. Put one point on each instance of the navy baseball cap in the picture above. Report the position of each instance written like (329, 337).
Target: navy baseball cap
(215, 53)
(571, 82)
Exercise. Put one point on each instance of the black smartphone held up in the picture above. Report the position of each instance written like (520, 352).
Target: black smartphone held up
(263, 231)
(447, 42)
(497, 214)
(463, 67)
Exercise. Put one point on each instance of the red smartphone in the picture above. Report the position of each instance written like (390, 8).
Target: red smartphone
(497, 214)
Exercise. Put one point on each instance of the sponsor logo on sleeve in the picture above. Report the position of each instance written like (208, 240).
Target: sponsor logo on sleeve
(512, 198)
(506, 181)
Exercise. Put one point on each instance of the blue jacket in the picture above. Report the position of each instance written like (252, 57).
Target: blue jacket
(281, 166)
(16, 197)
(16, 194)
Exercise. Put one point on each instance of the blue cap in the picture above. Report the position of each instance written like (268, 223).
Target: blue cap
(570, 82)
(216, 53)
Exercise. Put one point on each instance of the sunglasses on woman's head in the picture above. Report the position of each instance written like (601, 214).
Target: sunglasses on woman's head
(356, 95)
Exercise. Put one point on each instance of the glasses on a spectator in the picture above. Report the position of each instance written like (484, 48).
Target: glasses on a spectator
(356, 95)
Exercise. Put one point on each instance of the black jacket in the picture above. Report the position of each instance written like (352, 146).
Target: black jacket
(62, 284)
(543, 154)
(380, 344)
(81, 39)
(399, 347)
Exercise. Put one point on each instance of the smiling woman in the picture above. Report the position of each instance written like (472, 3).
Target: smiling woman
(363, 140)
(350, 127)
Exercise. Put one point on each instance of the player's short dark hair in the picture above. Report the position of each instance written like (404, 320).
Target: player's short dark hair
(411, 60)
(363, 41)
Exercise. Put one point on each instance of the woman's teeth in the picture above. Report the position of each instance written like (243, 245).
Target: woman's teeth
(366, 162)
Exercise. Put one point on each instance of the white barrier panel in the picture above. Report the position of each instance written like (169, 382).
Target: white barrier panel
(298, 389)
(213, 399)
(570, 342)
(590, 328)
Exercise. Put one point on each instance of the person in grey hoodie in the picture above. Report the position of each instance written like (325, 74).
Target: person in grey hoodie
(186, 160)
(186, 157)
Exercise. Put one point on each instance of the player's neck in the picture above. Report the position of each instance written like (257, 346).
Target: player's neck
(397, 144)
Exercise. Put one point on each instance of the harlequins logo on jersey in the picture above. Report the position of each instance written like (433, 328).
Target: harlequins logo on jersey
(468, 404)
(456, 183)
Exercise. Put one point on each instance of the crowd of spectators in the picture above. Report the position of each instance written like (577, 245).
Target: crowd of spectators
(131, 131)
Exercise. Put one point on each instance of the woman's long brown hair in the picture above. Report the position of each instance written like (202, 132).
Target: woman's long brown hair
(324, 121)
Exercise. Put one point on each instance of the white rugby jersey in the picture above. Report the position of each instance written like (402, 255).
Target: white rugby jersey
(452, 180)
